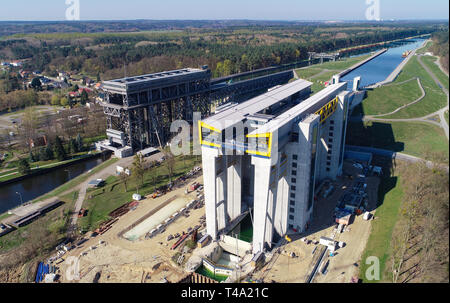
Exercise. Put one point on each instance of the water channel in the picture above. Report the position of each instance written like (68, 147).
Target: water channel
(39, 185)
(372, 72)
(382, 66)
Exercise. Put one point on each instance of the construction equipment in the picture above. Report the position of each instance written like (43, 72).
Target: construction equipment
(82, 213)
(288, 239)
(194, 186)
(157, 194)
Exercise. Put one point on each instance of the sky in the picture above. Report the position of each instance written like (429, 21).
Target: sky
(51, 10)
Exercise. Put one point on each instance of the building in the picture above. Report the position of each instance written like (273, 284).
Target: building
(140, 109)
(267, 155)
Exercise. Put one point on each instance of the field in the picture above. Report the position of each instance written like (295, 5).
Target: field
(387, 99)
(321, 73)
(390, 196)
(383, 100)
(425, 141)
(430, 62)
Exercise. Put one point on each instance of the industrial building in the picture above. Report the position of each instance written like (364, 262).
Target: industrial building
(140, 109)
(265, 156)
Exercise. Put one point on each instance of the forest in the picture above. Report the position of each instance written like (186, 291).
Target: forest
(145, 47)
(440, 47)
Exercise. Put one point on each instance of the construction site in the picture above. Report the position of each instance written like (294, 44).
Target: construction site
(279, 201)
(163, 239)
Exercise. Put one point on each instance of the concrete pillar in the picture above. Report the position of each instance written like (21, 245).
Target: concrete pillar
(209, 156)
(305, 150)
(356, 84)
(344, 104)
(263, 204)
(221, 196)
(282, 198)
(336, 79)
(234, 186)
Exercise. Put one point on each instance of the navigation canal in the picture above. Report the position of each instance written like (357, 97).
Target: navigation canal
(36, 186)
(372, 72)
(382, 66)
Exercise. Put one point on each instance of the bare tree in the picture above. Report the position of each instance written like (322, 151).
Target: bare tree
(169, 163)
(124, 179)
(139, 170)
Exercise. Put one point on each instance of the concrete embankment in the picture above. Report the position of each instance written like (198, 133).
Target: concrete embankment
(391, 78)
(350, 69)
(42, 171)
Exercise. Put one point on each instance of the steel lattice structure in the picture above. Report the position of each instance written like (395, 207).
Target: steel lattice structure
(141, 109)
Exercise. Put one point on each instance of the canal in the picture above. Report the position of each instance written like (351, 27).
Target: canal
(382, 66)
(36, 186)
(372, 72)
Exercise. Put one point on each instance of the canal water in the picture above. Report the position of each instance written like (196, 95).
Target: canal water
(381, 67)
(36, 186)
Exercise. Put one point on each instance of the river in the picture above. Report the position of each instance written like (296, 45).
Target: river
(382, 66)
(36, 186)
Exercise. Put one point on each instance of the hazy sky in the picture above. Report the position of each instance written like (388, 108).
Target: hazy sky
(223, 9)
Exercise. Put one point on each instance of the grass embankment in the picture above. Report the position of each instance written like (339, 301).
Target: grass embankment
(430, 62)
(23, 248)
(43, 233)
(413, 138)
(327, 71)
(389, 98)
(76, 181)
(113, 195)
(36, 166)
(390, 197)
(425, 48)
(383, 100)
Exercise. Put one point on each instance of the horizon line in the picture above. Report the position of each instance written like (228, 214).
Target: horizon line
(237, 19)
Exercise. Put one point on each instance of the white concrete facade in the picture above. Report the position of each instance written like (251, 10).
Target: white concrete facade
(305, 145)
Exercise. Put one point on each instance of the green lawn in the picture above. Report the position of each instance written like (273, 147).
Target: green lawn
(414, 138)
(386, 99)
(425, 49)
(113, 195)
(390, 194)
(429, 61)
(40, 165)
(383, 100)
(342, 64)
(333, 67)
(76, 181)
(308, 72)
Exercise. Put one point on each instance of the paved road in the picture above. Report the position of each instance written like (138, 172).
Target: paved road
(103, 174)
(395, 155)
(441, 112)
